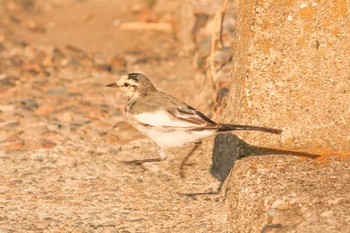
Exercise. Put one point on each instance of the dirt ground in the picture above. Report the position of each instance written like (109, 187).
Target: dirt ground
(63, 135)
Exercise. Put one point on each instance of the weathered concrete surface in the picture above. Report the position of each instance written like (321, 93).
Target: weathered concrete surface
(290, 195)
(292, 72)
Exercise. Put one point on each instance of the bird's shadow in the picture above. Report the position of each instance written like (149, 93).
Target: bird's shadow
(228, 148)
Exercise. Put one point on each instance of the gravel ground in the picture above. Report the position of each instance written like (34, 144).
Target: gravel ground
(64, 138)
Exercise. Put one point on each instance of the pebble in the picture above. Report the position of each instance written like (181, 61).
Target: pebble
(3, 189)
(59, 91)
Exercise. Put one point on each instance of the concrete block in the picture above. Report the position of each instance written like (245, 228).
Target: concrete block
(292, 71)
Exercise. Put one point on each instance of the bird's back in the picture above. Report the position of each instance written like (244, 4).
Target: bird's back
(154, 101)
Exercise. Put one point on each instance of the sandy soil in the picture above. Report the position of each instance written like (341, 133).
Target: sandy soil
(63, 134)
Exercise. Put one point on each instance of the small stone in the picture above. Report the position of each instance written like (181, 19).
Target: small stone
(3, 189)
(13, 124)
(118, 64)
(31, 67)
(122, 125)
(111, 139)
(7, 82)
(7, 108)
(58, 91)
(48, 144)
(29, 104)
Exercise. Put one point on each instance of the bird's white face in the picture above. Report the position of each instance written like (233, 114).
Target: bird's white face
(129, 86)
(134, 85)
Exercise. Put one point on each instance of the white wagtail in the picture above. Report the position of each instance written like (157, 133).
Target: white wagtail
(166, 120)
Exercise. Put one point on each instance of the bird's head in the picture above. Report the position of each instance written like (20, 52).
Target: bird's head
(134, 84)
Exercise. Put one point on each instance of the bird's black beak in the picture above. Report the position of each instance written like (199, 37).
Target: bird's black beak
(113, 85)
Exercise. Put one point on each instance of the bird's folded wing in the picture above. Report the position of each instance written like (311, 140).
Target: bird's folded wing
(181, 118)
(190, 114)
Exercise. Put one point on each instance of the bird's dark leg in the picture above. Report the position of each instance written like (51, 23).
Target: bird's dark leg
(187, 157)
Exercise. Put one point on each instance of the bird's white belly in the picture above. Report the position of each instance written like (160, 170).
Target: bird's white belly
(167, 137)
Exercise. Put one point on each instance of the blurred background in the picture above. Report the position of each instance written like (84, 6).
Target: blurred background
(57, 56)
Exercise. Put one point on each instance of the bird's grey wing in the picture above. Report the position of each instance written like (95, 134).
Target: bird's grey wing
(191, 115)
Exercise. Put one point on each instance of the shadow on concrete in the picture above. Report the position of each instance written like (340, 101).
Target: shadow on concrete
(228, 148)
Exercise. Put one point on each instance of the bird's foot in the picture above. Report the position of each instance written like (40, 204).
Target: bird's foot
(188, 164)
(141, 161)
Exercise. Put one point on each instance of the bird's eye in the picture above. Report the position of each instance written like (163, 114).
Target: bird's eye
(126, 84)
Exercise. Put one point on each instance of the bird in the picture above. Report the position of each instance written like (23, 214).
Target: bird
(167, 120)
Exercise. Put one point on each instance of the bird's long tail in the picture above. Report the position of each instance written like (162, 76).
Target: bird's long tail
(228, 127)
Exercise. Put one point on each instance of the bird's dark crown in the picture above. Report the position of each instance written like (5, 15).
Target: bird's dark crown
(136, 76)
